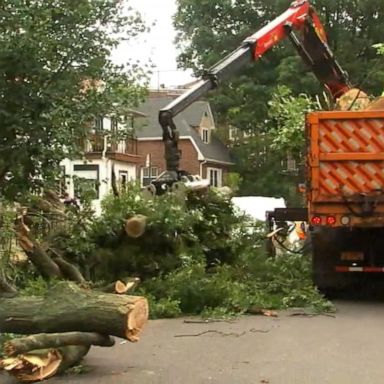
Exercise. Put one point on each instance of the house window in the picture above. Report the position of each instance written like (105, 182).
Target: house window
(291, 163)
(205, 135)
(99, 123)
(61, 182)
(149, 174)
(123, 179)
(86, 181)
(114, 124)
(215, 176)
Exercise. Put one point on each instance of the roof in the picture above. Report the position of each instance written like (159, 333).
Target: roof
(185, 122)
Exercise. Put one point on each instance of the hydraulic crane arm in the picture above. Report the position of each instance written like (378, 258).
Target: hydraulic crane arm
(312, 47)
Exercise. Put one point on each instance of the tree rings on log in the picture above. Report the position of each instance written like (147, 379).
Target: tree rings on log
(135, 226)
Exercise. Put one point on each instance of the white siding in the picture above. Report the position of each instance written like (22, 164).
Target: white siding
(105, 175)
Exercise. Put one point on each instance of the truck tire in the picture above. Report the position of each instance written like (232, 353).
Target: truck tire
(325, 254)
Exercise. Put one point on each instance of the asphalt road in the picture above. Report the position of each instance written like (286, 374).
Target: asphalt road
(345, 349)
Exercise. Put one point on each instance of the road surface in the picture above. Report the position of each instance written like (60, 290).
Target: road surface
(345, 349)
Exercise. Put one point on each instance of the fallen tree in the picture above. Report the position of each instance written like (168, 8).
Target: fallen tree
(82, 316)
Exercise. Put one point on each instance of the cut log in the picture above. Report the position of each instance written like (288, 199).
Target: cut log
(131, 283)
(353, 100)
(22, 345)
(125, 285)
(42, 364)
(121, 286)
(68, 308)
(135, 226)
(376, 105)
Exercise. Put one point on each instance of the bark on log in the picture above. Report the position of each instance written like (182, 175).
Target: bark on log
(42, 364)
(68, 308)
(22, 345)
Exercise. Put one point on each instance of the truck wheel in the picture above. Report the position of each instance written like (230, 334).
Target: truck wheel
(325, 254)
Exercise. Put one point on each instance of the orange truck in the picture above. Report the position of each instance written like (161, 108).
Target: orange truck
(345, 209)
(345, 164)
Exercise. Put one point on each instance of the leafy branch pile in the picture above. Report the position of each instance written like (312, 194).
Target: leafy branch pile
(196, 256)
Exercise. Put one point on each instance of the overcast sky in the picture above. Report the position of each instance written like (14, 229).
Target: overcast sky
(158, 45)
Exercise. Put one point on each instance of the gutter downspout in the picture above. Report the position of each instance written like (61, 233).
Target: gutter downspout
(104, 147)
(103, 158)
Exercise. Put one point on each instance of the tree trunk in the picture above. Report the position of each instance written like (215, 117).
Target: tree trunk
(68, 308)
(55, 340)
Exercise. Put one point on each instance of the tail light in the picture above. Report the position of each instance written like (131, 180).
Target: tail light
(316, 220)
(331, 220)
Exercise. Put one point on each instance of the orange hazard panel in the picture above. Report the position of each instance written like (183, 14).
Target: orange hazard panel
(350, 177)
(351, 136)
(347, 154)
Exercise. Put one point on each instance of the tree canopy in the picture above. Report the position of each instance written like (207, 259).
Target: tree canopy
(54, 61)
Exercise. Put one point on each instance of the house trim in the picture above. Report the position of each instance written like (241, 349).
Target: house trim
(211, 116)
(124, 157)
(200, 156)
(149, 138)
(219, 162)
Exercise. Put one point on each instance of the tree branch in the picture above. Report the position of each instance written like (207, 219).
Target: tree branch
(55, 340)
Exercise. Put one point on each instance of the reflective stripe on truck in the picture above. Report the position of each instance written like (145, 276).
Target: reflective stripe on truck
(340, 268)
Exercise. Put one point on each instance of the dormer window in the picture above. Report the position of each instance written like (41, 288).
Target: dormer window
(205, 135)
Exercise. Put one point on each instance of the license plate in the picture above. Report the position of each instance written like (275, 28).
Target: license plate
(352, 256)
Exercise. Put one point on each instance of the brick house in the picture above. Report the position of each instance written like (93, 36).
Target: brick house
(203, 153)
